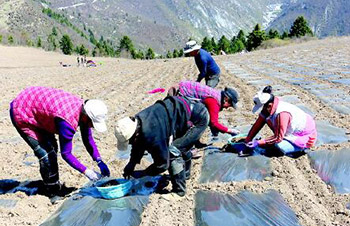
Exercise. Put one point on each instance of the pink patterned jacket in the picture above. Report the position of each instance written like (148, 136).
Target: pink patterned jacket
(35, 109)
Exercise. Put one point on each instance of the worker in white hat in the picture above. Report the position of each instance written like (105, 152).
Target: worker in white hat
(208, 69)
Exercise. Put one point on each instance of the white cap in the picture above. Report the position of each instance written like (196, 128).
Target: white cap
(191, 46)
(260, 99)
(97, 112)
(123, 131)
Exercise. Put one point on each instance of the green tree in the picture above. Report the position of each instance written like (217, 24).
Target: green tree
(29, 42)
(181, 53)
(284, 35)
(273, 34)
(138, 54)
(38, 43)
(207, 45)
(82, 50)
(0, 38)
(10, 39)
(150, 54)
(214, 45)
(224, 44)
(66, 44)
(241, 36)
(176, 53)
(52, 44)
(300, 28)
(54, 31)
(237, 46)
(255, 38)
(169, 54)
(126, 44)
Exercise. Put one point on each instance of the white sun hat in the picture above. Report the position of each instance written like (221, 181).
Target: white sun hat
(260, 99)
(97, 112)
(123, 131)
(191, 46)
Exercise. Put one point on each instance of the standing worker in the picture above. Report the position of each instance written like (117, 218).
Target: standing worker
(293, 129)
(207, 67)
(167, 130)
(38, 113)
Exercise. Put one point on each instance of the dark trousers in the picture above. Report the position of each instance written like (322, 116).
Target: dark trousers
(45, 151)
(212, 80)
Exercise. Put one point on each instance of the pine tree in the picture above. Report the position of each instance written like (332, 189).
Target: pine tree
(10, 39)
(241, 36)
(284, 35)
(181, 53)
(126, 44)
(300, 28)
(214, 45)
(150, 54)
(255, 38)
(52, 42)
(206, 44)
(38, 43)
(169, 55)
(0, 38)
(273, 34)
(237, 46)
(224, 44)
(66, 45)
(175, 53)
(54, 31)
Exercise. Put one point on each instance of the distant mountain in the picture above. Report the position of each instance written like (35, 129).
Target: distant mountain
(168, 24)
(325, 17)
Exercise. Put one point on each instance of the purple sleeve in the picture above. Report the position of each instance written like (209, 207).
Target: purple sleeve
(89, 143)
(66, 134)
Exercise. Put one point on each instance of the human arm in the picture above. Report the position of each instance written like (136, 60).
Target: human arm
(214, 109)
(257, 126)
(89, 143)
(282, 121)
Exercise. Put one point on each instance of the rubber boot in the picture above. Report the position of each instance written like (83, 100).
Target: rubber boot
(179, 183)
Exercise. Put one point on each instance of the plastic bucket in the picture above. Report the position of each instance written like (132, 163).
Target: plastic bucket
(122, 188)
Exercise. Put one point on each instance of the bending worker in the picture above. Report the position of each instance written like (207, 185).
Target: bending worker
(214, 100)
(293, 129)
(167, 130)
(38, 113)
(208, 69)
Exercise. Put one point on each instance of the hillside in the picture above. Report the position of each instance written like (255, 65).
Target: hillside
(313, 75)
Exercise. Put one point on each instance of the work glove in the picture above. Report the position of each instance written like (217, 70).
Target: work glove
(92, 175)
(252, 144)
(104, 168)
(233, 132)
(128, 170)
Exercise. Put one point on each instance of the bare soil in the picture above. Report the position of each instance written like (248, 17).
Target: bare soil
(123, 85)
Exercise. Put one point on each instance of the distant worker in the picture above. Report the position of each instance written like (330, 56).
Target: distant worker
(78, 60)
(38, 113)
(207, 67)
(167, 130)
(214, 100)
(294, 130)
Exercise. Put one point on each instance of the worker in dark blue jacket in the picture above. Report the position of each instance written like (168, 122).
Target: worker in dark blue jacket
(208, 69)
(167, 130)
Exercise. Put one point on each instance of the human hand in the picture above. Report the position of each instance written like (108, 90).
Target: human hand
(233, 132)
(92, 175)
(128, 170)
(252, 144)
(104, 168)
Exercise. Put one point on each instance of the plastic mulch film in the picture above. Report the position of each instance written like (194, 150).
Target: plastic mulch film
(329, 134)
(89, 211)
(245, 208)
(223, 167)
(333, 167)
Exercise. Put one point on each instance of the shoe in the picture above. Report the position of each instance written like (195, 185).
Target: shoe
(60, 190)
(200, 145)
(244, 153)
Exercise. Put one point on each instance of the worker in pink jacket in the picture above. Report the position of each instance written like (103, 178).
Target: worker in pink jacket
(38, 113)
(293, 129)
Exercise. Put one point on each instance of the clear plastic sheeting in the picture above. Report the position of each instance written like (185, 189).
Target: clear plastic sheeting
(245, 208)
(125, 155)
(333, 167)
(223, 167)
(8, 203)
(329, 134)
(89, 211)
(13, 186)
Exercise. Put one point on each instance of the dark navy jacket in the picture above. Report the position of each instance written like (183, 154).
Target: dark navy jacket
(206, 65)
(168, 117)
